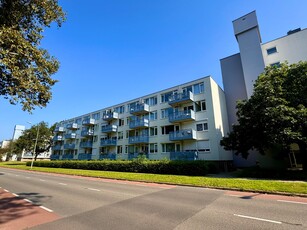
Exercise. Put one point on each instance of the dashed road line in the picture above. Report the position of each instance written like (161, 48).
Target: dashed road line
(94, 189)
(233, 195)
(27, 177)
(42, 180)
(47, 209)
(6, 190)
(28, 200)
(14, 194)
(62, 184)
(256, 218)
(293, 202)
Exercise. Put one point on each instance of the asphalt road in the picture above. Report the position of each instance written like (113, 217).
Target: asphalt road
(89, 203)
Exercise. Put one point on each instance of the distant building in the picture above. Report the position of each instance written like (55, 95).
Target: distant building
(240, 70)
(18, 130)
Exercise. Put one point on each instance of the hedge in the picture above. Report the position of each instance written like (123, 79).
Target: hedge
(191, 168)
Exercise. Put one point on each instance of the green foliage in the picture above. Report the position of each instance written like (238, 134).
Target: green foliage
(193, 168)
(25, 67)
(276, 113)
(27, 140)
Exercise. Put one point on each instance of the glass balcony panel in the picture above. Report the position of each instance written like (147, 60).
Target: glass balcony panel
(138, 139)
(88, 121)
(109, 129)
(70, 136)
(67, 156)
(139, 123)
(87, 133)
(54, 157)
(188, 156)
(110, 116)
(69, 146)
(185, 134)
(84, 156)
(57, 147)
(87, 144)
(109, 156)
(181, 116)
(59, 129)
(108, 142)
(139, 109)
(72, 126)
(181, 98)
(57, 138)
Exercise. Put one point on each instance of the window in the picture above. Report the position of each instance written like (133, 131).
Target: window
(166, 96)
(153, 148)
(153, 115)
(154, 131)
(200, 106)
(203, 146)
(120, 135)
(276, 64)
(167, 129)
(202, 126)
(187, 108)
(96, 116)
(78, 121)
(151, 101)
(187, 89)
(164, 113)
(121, 122)
(127, 133)
(198, 88)
(119, 149)
(168, 147)
(120, 109)
(271, 50)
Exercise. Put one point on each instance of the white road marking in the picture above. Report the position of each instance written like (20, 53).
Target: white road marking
(233, 195)
(47, 209)
(28, 201)
(6, 190)
(256, 218)
(293, 202)
(94, 189)
(62, 184)
(16, 175)
(42, 180)
(28, 177)
(15, 194)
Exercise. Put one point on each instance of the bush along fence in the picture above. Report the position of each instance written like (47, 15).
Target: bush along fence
(191, 168)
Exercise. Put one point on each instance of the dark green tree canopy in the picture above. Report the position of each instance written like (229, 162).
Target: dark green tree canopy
(25, 67)
(276, 113)
(27, 140)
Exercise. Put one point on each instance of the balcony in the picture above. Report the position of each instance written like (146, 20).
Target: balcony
(139, 123)
(110, 116)
(138, 139)
(88, 121)
(108, 142)
(57, 147)
(139, 109)
(181, 98)
(70, 136)
(84, 156)
(181, 116)
(59, 129)
(86, 145)
(54, 157)
(67, 157)
(69, 146)
(109, 129)
(72, 126)
(109, 156)
(132, 156)
(57, 138)
(181, 135)
(87, 133)
(186, 156)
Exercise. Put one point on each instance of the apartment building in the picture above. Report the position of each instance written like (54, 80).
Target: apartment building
(239, 71)
(183, 122)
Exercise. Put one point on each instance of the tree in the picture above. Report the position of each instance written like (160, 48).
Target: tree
(276, 113)
(25, 67)
(26, 142)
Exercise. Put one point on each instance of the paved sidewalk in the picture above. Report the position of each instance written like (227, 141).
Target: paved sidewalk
(17, 214)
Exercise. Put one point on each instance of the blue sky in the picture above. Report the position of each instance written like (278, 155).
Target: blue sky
(112, 51)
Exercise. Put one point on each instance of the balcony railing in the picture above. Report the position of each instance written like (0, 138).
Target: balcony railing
(59, 129)
(87, 133)
(181, 98)
(87, 144)
(67, 157)
(138, 139)
(70, 136)
(57, 147)
(88, 121)
(72, 126)
(110, 156)
(57, 138)
(84, 156)
(132, 156)
(108, 142)
(54, 157)
(139, 109)
(185, 134)
(109, 129)
(189, 156)
(69, 146)
(181, 116)
(139, 123)
(110, 116)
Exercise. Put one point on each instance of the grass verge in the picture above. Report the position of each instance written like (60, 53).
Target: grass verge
(241, 184)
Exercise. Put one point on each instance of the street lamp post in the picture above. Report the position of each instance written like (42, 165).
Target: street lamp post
(34, 143)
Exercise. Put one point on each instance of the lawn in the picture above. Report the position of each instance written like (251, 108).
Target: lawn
(241, 184)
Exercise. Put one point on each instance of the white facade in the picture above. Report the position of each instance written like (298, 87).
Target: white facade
(18, 130)
(183, 122)
(240, 71)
